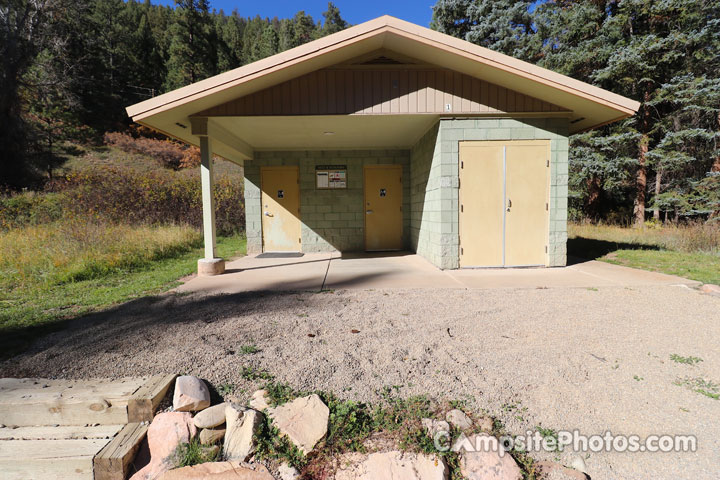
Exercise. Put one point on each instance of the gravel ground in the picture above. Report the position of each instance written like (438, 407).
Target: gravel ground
(586, 359)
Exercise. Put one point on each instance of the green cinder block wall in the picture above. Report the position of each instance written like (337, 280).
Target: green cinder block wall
(434, 180)
(332, 220)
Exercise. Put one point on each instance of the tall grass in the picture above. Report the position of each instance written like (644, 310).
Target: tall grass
(78, 249)
(689, 238)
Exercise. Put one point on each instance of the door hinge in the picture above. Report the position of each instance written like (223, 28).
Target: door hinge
(462, 165)
(299, 240)
(461, 251)
(546, 207)
(461, 209)
(545, 248)
(548, 163)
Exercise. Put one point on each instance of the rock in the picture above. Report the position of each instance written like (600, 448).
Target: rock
(211, 451)
(710, 288)
(555, 471)
(240, 428)
(165, 433)
(219, 471)
(457, 418)
(191, 394)
(258, 400)
(210, 436)
(286, 472)
(433, 426)
(211, 417)
(392, 466)
(486, 424)
(579, 464)
(304, 421)
(483, 458)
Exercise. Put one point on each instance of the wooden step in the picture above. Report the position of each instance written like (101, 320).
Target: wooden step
(61, 429)
(29, 402)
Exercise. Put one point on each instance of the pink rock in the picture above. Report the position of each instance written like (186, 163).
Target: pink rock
(483, 458)
(191, 394)
(710, 288)
(219, 471)
(166, 432)
(555, 471)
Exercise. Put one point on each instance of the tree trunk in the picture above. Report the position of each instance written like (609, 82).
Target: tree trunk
(594, 187)
(640, 184)
(658, 184)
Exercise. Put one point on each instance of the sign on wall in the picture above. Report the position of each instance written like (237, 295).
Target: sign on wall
(330, 176)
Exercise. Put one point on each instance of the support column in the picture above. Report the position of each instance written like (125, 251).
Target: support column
(210, 265)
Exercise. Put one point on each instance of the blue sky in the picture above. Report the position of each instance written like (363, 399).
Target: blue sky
(416, 11)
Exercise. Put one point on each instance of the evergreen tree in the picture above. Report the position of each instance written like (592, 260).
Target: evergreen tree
(333, 21)
(191, 54)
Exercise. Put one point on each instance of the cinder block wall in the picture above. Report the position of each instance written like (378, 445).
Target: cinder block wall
(435, 175)
(332, 220)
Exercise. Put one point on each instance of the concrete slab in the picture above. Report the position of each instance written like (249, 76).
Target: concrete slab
(250, 274)
(406, 270)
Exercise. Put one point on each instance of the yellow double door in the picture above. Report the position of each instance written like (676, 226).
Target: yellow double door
(504, 209)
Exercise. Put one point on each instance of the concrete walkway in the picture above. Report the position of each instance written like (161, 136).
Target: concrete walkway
(406, 270)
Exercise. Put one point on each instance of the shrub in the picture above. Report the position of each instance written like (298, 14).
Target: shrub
(168, 153)
(124, 195)
(29, 208)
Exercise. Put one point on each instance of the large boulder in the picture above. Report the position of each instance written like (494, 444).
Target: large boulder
(211, 417)
(483, 458)
(191, 394)
(304, 421)
(165, 433)
(219, 471)
(241, 424)
(391, 466)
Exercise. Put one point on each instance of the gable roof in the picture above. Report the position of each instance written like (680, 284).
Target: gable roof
(590, 106)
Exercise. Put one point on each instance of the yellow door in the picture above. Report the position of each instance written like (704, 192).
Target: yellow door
(383, 207)
(504, 218)
(280, 209)
(526, 192)
(481, 204)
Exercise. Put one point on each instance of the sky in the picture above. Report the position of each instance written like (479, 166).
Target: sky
(354, 11)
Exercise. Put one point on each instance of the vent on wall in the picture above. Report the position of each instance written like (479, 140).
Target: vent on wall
(381, 60)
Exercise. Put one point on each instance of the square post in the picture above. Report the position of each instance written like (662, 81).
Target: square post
(210, 265)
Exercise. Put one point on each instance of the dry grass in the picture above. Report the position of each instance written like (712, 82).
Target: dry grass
(82, 248)
(690, 251)
(692, 238)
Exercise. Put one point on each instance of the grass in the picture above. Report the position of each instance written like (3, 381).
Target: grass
(249, 349)
(685, 360)
(48, 278)
(700, 385)
(193, 453)
(394, 420)
(691, 251)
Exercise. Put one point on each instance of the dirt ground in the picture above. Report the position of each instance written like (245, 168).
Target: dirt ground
(563, 358)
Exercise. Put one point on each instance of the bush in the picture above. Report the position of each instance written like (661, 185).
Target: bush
(29, 208)
(168, 153)
(123, 195)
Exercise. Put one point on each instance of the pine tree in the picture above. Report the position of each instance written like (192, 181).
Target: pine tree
(333, 21)
(191, 53)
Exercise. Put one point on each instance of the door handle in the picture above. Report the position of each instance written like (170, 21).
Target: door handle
(268, 214)
(509, 205)
(368, 212)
